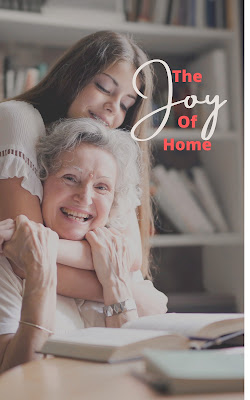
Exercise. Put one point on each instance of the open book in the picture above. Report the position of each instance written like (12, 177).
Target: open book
(165, 332)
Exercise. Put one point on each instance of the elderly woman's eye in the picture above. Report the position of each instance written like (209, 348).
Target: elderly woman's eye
(102, 187)
(70, 178)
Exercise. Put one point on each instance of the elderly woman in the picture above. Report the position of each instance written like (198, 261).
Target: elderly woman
(91, 178)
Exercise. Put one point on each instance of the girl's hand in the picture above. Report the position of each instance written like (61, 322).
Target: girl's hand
(112, 263)
(7, 228)
(33, 248)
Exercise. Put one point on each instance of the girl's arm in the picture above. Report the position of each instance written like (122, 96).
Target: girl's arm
(77, 254)
(14, 201)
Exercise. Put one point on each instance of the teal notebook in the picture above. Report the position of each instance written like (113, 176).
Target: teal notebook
(203, 371)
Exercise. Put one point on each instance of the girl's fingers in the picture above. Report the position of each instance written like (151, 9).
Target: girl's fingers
(7, 223)
(5, 235)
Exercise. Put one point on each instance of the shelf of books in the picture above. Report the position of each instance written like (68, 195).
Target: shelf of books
(218, 239)
(197, 194)
(55, 28)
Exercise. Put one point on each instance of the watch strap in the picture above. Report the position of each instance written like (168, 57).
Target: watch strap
(118, 308)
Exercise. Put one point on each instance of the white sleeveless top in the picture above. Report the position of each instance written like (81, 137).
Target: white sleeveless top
(20, 127)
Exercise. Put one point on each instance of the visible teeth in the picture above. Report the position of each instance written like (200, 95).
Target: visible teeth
(74, 213)
(99, 119)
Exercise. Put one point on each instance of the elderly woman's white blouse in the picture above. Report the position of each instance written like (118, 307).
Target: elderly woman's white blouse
(71, 313)
(20, 127)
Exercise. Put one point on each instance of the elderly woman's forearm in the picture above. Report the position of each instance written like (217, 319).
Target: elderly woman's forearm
(38, 309)
(17, 353)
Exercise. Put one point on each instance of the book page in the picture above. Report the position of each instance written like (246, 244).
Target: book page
(114, 337)
(183, 324)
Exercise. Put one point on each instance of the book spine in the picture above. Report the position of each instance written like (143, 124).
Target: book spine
(145, 14)
(20, 81)
(207, 197)
(174, 18)
(219, 14)
(179, 204)
(131, 10)
(169, 11)
(32, 78)
(211, 14)
(160, 11)
(191, 13)
(200, 14)
(229, 15)
(183, 12)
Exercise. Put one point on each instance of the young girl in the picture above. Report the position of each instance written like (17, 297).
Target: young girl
(92, 79)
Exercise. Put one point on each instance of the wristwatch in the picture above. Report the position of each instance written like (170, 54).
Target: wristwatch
(117, 308)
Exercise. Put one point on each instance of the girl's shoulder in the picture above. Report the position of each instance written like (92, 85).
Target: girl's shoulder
(16, 108)
(18, 116)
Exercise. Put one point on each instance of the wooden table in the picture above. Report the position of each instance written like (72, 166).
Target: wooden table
(65, 379)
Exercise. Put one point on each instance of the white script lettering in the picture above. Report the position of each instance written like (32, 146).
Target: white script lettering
(212, 117)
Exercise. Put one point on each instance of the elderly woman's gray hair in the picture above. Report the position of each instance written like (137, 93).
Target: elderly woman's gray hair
(67, 134)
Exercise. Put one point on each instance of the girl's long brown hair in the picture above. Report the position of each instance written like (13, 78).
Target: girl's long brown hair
(90, 56)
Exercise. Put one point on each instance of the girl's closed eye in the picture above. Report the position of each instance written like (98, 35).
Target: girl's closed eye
(127, 102)
(102, 88)
(123, 107)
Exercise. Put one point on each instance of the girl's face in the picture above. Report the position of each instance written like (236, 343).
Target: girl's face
(108, 96)
(79, 196)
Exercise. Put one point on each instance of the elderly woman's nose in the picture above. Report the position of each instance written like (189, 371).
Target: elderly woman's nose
(84, 195)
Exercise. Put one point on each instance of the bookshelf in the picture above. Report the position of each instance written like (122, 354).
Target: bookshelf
(220, 254)
(59, 31)
(218, 239)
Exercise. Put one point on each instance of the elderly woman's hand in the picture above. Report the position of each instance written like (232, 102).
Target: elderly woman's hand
(33, 248)
(112, 263)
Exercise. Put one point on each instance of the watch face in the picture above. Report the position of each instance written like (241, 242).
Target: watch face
(109, 311)
(117, 308)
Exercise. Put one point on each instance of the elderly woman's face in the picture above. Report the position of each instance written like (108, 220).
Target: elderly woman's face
(79, 196)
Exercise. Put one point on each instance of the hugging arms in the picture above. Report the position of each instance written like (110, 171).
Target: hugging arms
(88, 185)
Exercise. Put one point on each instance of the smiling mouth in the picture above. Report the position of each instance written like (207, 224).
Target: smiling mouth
(80, 217)
(97, 118)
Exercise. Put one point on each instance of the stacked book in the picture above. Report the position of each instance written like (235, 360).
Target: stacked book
(188, 200)
(196, 13)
